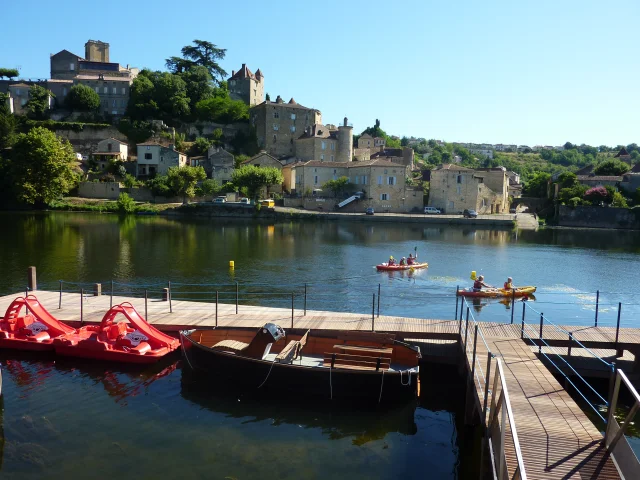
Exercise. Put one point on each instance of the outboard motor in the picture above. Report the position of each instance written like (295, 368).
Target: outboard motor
(260, 346)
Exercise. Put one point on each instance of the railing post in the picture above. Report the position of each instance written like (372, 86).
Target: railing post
(169, 295)
(237, 298)
(305, 299)
(473, 358)
(513, 303)
(570, 343)
(378, 300)
(291, 309)
(216, 308)
(31, 279)
(60, 299)
(486, 388)
(457, 289)
(82, 307)
(97, 289)
(597, 306)
(503, 428)
(614, 386)
(618, 353)
(146, 298)
(111, 296)
(460, 322)
(373, 313)
(524, 307)
(540, 341)
(466, 329)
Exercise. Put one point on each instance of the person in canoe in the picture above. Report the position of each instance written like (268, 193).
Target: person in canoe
(411, 260)
(403, 261)
(391, 261)
(479, 284)
(508, 285)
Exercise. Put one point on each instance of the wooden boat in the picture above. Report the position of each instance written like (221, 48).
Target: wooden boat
(33, 328)
(366, 366)
(117, 341)
(385, 267)
(497, 292)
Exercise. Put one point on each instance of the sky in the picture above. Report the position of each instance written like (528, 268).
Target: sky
(525, 72)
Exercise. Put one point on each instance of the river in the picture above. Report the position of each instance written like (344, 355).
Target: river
(60, 418)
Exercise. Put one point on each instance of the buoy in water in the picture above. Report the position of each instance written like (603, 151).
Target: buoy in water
(473, 275)
(232, 264)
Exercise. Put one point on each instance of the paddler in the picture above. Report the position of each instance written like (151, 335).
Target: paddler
(403, 261)
(411, 259)
(508, 285)
(392, 261)
(479, 283)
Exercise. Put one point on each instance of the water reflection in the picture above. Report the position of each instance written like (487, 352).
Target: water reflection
(480, 302)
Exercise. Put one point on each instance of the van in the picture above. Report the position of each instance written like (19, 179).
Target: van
(431, 210)
(245, 201)
(269, 203)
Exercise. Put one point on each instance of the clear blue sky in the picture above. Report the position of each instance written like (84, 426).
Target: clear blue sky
(506, 71)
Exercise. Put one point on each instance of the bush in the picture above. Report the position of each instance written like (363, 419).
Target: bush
(159, 186)
(208, 187)
(83, 98)
(596, 195)
(126, 204)
(574, 202)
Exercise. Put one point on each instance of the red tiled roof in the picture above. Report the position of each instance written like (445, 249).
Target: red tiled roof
(244, 72)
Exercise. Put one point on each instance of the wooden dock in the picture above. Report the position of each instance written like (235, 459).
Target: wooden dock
(556, 438)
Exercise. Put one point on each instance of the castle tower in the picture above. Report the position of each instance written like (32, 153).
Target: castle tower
(96, 51)
(246, 86)
(345, 142)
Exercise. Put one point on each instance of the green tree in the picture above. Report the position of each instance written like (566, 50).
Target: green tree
(8, 73)
(159, 186)
(338, 186)
(238, 160)
(199, 147)
(208, 187)
(142, 105)
(618, 200)
(222, 109)
(537, 185)
(567, 180)
(199, 85)
(83, 98)
(568, 146)
(567, 194)
(201, 53)
(41, 166)
(611, 167)
(38, 103)
(255, 178)
(183, 180)
(126, 204)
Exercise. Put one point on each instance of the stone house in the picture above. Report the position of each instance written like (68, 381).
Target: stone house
(623, 156)
(246, 86)
(599, 180)
(326, 143)
(455, 188)
(263, 159)
(18, 98)
(219, 165)
(110, 149)
(156, 159)
(279, 124)
(402, 156)
(367, 141)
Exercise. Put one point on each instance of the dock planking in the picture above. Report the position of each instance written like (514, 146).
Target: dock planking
(557, 439)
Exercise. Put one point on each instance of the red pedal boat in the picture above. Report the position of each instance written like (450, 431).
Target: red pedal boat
(385, 267)
(118, 341)
(33, 329)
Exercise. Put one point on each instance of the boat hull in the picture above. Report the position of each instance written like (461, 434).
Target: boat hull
(249, 374)
(107, 355)
(498, 292)
(19, 344)
(386, 268)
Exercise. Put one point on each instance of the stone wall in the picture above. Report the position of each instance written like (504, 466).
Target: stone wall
(599, 217)
(86, 141)
(104, 190)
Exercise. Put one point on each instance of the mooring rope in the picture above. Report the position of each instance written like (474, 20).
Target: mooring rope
(267, 377)
(381, 385)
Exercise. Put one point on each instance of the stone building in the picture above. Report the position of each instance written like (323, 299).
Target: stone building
(110, 149)
(263, 159)
(156, 159)
(455, 188)
(279, 124)
(367, 141)
(18, 98)
(219, 165)
(403, 156)
(246, 86)
(325, 143)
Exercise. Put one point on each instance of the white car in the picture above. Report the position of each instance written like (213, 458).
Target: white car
(431, 210)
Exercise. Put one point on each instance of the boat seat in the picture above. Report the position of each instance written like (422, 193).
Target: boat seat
(39, 337)
(356, 362)
(116, 330)
(293, 350)
(141, 348)
(230, 346)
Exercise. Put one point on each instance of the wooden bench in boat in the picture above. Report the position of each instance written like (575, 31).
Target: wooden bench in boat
(356, 362)
(230, 345)
(367, 337)
(292, 350)
(356, 349)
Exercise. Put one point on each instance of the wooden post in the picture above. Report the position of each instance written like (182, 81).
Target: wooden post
(60, 299)
(111, 299)
(31, 279)
(146, 297)
(216, 308)
(597, 306)
(540, 341)
(236, 298)
(305, 299)
(291, 309)
(169, 295)
(82, 307)
(570, 343)
(513, 303)
(378, 300)
(524, 306)
(97, 289)
(457, 288)
(618, 351)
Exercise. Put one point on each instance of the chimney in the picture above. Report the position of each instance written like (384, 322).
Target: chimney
(346, 121)
(233, 72)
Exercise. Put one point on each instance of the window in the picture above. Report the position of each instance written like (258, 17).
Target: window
(115, 103)
(109, 147)
(293, 128)
(333, 146)
(276, 126)
(124, 90)
(484, 203)
(162, 159)
(97, 89)
(357, 181)
(323, 145)
(148, 156)
(113, 90)
(144, 170)
(385, 171)
(276, 114)
(114, 112)
(384, 196)
(105, 89)
(315, 179)
(379, 179)
(293, 116)
(322, 158)
(332, 158)
(72, 66)
(459, 190)
(64, 91)
(148, 147)
(391, 180)
(335, 171)
(315, 170)
(224, 170)
(364, 179)
(459, 179)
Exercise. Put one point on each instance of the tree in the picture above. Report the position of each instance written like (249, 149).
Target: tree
(238, 160)
(267, 97)
(83, 98)
(567, 180)
(222, 110)
(9, 72)
(568, 146)
(611, 167)
(208, 187)
(255, 178)
(141, 98)
(618, 200)
(338, 186)
(199, 147)
(202, 53)
(38, 102)
(596, 195)
(537, 185)
(199, 85)
(126, 204)
(41, 166)
(183, 180)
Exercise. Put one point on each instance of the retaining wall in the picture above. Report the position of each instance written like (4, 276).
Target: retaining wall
(599, 217)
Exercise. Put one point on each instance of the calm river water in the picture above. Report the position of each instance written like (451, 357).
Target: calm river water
(60, 419)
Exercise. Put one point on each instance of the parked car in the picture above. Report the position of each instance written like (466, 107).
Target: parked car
(369, 211)
(470, 214)
(220, 200)
(269, 203)
(245, 200)
(512, 210)
(431, 210)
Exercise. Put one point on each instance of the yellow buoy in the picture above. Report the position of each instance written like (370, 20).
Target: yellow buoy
(473, 275)
(232, 264)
